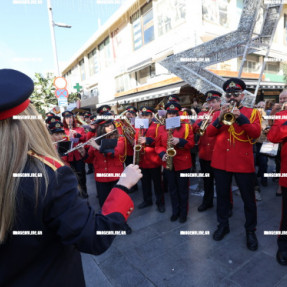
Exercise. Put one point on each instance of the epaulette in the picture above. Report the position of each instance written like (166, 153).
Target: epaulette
(50, 161)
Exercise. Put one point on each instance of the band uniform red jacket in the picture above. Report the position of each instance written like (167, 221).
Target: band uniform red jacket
(182, 159)
(278, 134)
(205, 143)
(108, 163)
(80, 138)
(233, 149)
(149, 158)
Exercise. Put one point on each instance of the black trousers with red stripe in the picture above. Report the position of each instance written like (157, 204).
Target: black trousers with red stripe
(282, 239)
(245, 182)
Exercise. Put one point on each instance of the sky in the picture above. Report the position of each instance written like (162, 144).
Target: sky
(25, 37)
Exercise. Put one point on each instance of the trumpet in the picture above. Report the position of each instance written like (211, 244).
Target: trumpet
(229, 118)
(204, 124)
(87, 142)
(170, 151)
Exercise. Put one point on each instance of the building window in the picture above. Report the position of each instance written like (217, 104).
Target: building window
(143, 75)
(123, 83)
(143, 26)
(250, 67)
(93, 62)
(216, 12)
(272, 67)
(285, 29)
(94, 92)
(82, 70)
(105, 54)
(170, 14)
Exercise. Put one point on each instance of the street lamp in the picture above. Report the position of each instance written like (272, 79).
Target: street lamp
(52, 24)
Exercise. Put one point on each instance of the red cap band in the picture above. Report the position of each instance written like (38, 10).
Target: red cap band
(14, 111)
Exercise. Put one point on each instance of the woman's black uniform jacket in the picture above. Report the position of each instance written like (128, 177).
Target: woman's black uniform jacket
(66, 225)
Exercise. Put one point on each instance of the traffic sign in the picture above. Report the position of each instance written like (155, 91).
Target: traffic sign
(61, 92)
(60, 83)
(62, 102)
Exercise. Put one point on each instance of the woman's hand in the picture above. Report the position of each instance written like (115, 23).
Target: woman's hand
(130, 176)
(94, 144)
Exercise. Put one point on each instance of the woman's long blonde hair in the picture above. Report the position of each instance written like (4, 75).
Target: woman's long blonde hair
(17, 137)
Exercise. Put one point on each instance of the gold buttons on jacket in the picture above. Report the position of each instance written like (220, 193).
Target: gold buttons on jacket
(128, 213)
(227, 149)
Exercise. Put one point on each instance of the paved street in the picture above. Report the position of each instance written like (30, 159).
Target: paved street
(155, 254)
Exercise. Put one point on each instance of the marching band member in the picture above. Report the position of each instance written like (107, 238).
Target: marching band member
(64, 224)
(131, 113)
(182, 141)
(93, 127)
(87, 117)
(50, 114)
(57, 135)
(150, 162)
(233, 155)
(75, 158)
(278, 134)
(89, 134)
(52, 119)
(206, 145)
(108, 161)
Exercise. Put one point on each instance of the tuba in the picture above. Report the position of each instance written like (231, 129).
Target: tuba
(170, 151)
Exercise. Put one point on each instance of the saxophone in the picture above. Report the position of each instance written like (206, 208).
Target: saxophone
(138, 148)
(170, 151)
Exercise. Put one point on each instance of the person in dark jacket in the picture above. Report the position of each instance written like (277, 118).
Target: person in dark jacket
(44, 224)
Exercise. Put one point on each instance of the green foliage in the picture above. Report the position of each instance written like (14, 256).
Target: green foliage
(43, 96)
(73, 97)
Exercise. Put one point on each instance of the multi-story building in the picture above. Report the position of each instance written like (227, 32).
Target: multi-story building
(119, 64)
